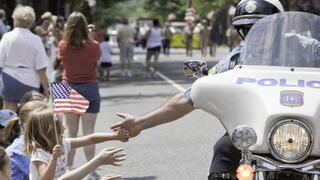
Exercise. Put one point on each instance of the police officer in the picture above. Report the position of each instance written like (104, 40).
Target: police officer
(226, 157)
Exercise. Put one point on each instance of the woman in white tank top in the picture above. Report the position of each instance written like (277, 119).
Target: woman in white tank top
(154, 42)
(154, 39)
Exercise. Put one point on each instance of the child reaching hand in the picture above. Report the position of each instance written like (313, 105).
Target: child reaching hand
(49, 159)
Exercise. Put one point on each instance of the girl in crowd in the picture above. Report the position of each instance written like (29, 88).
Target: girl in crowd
(106, 156)
(32, 96)
(79, 55)
(49, 158)
(16, 128)
(5, 171)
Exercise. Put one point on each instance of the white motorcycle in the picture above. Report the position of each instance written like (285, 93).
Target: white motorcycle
(270, 102)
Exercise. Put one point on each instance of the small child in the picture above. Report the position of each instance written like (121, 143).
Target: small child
(14, 133)
(49, 159)
(106, 61)
(105, 156)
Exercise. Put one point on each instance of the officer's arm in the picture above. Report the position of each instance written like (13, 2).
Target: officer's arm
(175, 108)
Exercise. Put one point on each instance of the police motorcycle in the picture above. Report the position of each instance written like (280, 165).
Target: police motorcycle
(269, 103)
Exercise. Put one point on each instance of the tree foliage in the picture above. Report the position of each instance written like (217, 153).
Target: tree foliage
(162, 8)
(115, 13)
(109, 12)
(104, 11)
(203, 7)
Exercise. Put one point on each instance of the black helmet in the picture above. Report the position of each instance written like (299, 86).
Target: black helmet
(249, 12)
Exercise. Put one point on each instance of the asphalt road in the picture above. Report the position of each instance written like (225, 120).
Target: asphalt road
(178, 150)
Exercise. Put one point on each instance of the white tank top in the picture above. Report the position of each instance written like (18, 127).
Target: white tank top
(154, 39)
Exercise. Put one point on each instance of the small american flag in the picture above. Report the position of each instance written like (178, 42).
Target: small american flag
(66, 99)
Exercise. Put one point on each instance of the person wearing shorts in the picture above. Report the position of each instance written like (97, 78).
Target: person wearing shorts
(79, 56)
(126, 44)
(106, 61)
(23, 66)
(154, 43)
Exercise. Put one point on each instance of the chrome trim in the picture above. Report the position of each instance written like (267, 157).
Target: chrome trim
(266, 164)
(276, 126)
(260, 176)
(241, 128)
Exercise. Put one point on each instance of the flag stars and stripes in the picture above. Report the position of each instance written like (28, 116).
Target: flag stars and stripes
(66, 99)
(60, 90)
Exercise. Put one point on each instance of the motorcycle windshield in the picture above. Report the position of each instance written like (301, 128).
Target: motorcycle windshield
(289, 39)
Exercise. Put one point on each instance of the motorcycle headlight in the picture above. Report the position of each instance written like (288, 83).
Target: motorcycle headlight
(243, 137)
(290, 141)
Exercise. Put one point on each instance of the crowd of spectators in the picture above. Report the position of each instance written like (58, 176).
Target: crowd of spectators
(31, 140)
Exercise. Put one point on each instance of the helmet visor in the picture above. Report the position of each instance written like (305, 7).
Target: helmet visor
(244, 21)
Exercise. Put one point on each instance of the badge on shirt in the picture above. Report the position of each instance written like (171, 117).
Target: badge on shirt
(251, 7)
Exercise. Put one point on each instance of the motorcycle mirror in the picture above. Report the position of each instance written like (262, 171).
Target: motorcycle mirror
(195, 68)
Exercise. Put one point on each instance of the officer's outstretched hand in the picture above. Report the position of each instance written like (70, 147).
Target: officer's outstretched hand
(129, 123)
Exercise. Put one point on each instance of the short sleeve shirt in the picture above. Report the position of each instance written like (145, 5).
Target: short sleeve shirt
(231, 59)
(21, 55)
(79, 65)
(126, 34)
(106, 51)
(43, 156)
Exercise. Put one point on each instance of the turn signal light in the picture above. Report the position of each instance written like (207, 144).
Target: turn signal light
(245, 172)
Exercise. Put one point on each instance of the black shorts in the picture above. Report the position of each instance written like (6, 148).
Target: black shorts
(106, 64)
(154, 49)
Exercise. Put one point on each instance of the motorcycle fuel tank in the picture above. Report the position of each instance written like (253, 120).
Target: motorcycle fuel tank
(260, 97)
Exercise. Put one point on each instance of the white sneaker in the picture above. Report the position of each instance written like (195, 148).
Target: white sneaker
(93, 176)
(129, 73)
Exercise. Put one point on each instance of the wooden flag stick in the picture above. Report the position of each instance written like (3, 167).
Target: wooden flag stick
(55, 120)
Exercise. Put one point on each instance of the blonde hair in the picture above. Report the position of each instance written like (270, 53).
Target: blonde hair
(76, 33)
(12, 129)
(23, 16)
(27, 108)
(40, 130)
(4, 158)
